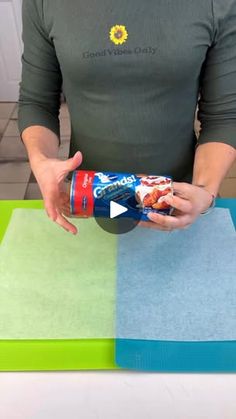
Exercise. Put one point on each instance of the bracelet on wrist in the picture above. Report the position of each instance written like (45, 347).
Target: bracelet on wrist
(212, 205)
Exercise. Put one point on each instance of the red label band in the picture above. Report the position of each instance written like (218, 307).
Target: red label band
(83, 193)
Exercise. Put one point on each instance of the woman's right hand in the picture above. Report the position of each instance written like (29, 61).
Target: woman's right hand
(50, 175)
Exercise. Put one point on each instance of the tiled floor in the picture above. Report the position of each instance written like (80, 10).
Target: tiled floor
(16, 179)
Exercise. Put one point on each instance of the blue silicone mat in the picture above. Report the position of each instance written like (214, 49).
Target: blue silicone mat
(180, 315)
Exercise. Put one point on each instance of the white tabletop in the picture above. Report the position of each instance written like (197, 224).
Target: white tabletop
(117, 395)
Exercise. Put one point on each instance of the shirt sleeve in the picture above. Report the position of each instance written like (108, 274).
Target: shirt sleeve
(41, 82)
(217, 104)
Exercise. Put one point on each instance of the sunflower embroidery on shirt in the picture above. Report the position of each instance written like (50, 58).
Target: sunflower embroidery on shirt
(118, 34)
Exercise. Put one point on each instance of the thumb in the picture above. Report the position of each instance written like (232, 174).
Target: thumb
(75, 161)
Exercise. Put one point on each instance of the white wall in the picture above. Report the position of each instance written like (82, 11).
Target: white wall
(10, 49)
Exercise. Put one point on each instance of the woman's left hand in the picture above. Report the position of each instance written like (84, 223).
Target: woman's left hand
(189, 202)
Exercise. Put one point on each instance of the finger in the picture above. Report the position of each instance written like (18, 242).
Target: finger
(180, 204)
(51, 198)
(65, 211)
(182, 188)
(52, 201)
(64, 223)
(51, 212)
(64, 204)
(64, 200)
(153, 226)
(71, 164)
(50, 209)
(170, 222)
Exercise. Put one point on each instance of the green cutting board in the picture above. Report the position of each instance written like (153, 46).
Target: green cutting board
(49, 355)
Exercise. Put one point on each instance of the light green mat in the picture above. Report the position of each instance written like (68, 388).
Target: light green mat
(54, 285)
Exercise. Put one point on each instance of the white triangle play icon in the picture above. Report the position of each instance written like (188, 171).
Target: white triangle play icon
(116, 209)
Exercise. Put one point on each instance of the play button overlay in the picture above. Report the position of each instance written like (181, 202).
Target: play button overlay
(114, 213)
(116, 209)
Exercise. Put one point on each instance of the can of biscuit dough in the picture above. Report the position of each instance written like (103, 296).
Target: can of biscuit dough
(91, 194)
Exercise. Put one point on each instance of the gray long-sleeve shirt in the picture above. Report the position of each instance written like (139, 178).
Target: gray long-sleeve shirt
(132, 89)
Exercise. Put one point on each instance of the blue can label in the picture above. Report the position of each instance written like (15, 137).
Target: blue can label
(92, 193)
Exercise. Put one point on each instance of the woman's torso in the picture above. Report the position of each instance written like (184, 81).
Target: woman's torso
(132, 104)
